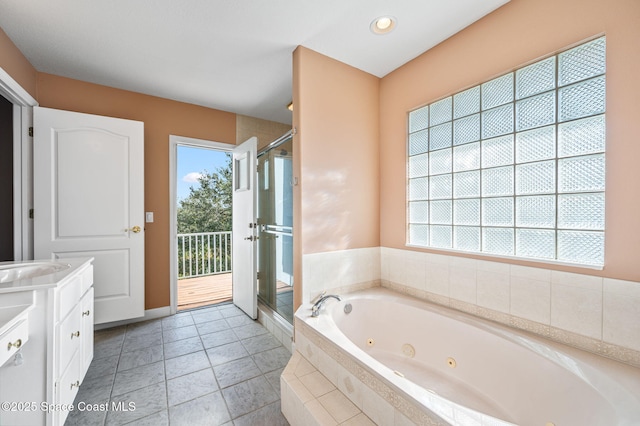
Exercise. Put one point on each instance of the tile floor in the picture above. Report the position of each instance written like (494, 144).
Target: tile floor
(210, 366)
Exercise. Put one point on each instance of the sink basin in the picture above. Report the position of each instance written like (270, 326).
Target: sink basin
(21, 271)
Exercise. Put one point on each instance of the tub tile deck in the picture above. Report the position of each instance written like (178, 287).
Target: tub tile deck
(308, 397)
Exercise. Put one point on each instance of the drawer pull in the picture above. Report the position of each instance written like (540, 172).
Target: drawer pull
(76, 334)
(86, 313)
(76, 384)
(15, 344)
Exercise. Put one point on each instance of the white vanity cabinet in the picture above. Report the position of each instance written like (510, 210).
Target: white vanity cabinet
(87, 328)
(58, 346)
(71, 342)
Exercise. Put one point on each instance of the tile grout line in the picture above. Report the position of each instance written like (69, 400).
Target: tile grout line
(214, 374)
(163, 367)
(113, 382)
(166, 380)
(234, 330)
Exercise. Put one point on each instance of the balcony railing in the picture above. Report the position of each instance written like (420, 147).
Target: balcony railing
(204, 253)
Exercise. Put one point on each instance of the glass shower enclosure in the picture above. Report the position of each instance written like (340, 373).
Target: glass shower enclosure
(275, 225)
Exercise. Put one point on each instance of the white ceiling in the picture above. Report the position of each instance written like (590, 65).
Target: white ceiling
(233, 55)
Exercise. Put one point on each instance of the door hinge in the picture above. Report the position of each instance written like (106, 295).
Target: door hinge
(30, 213)
(31, 131)
(258, 275)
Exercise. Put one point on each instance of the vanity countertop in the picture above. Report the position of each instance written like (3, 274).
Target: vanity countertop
(50, 280)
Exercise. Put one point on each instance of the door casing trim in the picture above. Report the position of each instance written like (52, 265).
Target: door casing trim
(23, 104)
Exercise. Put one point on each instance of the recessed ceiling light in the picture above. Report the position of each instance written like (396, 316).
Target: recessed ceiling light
(383, 25)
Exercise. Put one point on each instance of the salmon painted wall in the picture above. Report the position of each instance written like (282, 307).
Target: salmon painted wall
(338, 133)
(161, 117)
(336, 202)
(13, 62)
(515, 34)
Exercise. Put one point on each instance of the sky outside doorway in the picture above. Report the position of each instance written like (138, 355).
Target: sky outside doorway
(192, 162)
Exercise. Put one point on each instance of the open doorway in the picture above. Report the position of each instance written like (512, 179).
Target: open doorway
(201, 222)
(17, 106)
(6, 181)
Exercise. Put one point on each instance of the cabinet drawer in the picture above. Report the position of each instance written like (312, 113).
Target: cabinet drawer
(13, 340)
(67, 387)
(68, 296)
(69, 335)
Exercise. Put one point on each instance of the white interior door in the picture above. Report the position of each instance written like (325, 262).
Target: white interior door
(89, 202)
(244, 265)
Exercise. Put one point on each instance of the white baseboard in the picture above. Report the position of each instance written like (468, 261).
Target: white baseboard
(149, 314)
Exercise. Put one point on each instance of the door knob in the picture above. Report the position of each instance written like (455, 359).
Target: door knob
(136, 229)
(251, 238)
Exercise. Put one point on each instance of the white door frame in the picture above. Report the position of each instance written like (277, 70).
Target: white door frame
(23, 104)
(174, 142)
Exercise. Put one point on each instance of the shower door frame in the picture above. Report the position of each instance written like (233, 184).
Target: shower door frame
(272, 231)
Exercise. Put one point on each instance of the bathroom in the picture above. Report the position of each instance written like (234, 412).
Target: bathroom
(350, 215)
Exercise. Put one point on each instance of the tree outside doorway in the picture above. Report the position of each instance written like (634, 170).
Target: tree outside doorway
(204, 219)
(207, 208)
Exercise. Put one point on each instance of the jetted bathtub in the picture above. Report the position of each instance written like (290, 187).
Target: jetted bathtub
(454, 366)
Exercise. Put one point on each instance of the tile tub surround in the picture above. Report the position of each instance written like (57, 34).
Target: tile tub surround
(309, 398)
(207, 366)
(319, 367)
(340, 271)
(330, 343)
(599, 315)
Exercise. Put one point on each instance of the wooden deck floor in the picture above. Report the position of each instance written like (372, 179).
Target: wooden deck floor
(202, 291)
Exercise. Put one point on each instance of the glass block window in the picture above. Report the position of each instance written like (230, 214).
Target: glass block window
(515, 166)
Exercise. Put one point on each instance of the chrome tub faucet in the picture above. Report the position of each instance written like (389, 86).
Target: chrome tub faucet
(315, 309)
